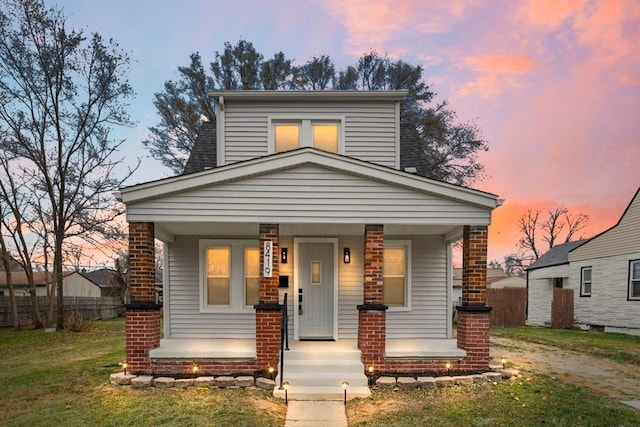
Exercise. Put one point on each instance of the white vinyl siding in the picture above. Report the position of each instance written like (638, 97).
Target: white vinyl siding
(428, 317)
(185, 317)
(609, 304)
(370, 131)
(540, 293)
(308, 194)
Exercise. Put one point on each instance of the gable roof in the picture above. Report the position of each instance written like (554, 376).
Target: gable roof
(623, 237)
(557, 255)
(307, 155)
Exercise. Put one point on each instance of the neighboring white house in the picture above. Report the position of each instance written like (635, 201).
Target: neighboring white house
(74, 284)
(605, 273)
(549, 271)
(307, 194)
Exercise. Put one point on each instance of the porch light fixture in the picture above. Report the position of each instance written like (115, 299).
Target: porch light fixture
(347, 255)
(285, 385)
(124, 366)
(345, 384)
(284, 255)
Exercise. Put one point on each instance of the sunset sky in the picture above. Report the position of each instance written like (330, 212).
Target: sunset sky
(553, 85)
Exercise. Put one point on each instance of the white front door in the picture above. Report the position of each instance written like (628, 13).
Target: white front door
(316, 282)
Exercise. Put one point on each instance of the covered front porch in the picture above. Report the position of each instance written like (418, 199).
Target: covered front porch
(362, 252)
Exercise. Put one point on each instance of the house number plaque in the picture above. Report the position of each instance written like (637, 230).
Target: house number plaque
(267, 264)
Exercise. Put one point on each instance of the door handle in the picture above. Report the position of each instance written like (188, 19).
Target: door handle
(300, 302)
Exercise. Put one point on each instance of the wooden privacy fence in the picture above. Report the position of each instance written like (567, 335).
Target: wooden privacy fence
(562, 308)
(88, 307)
(508, 306)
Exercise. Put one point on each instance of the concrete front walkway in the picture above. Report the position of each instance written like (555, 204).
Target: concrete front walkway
(314, 413)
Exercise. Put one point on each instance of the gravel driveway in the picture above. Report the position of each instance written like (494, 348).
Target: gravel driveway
(613, 379)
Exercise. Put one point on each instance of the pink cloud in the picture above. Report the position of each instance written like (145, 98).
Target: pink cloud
(550, 13)
(499, 64)
(372, 24)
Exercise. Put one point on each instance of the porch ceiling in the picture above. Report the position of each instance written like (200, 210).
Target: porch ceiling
(300, 230)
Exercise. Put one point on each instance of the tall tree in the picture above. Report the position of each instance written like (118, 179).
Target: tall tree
(317, 74)
(276, 72)
(182, 107)
(62, 91)
(537, 230)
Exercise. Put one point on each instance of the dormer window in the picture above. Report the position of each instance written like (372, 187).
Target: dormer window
(323, 134)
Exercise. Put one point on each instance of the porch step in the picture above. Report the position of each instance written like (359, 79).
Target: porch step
(316, 371)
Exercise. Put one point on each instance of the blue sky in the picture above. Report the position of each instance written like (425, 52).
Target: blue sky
(553, 85)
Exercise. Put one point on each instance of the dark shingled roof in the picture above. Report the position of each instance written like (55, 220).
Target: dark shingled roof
(557, 255)
(204, 152)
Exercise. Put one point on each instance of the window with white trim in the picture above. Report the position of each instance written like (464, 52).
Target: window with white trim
(323, 134)
(229, 275)
(585, 282)
(396, 287)
(634, 280)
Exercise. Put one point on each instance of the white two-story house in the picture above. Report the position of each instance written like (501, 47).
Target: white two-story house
(311, 195)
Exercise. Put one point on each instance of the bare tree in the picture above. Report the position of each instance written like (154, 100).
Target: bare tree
(4, 256)
(549, 229)
(62, 91)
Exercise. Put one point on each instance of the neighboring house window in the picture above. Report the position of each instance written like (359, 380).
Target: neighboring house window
(634, 280)
(585, 282)
(397, 277)
(557, 282)
(321, 134)
(229, 275)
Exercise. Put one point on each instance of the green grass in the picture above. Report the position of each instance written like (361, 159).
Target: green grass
(619, 347)
(63, 378)
(532, 401)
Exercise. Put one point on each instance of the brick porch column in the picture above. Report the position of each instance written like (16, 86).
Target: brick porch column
(473, 314)
(268, 310)
(142, 318)
(372, 319)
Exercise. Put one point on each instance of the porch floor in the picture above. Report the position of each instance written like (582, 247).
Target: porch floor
(441, 348)
(204, 348)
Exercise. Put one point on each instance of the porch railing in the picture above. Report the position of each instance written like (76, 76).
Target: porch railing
(284, 337)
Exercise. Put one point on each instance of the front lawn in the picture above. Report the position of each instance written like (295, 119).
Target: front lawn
(619, 347)
(530, 401)
(62, 378)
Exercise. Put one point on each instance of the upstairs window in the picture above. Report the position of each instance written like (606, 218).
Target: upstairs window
(634, 280)
(286, 136)
(585, 282)
(321, 134)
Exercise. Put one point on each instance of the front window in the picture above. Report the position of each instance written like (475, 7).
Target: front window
(289, 134)
(218, 276)
(252, 276)
(585, 282)
(634, 280)
(229, 275)
(396, 280)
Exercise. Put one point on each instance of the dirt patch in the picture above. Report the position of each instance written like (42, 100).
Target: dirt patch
(368, 409)
(612, 379)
